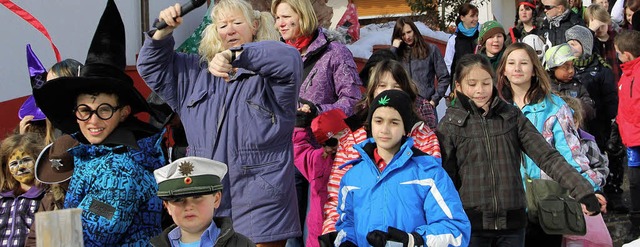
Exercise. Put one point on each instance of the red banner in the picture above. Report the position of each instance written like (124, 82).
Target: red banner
(33, 21)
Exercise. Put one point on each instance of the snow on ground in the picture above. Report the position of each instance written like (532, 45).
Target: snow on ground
(380, 34)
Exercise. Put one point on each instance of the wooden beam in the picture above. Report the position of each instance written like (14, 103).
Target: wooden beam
(59, 228)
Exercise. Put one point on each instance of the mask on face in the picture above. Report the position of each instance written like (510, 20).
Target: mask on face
(21, 166)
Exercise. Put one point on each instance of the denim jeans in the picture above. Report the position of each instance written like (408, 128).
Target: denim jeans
(497, 238)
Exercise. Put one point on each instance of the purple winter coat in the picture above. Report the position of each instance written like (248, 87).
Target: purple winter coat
(246, 123)
(333, 82)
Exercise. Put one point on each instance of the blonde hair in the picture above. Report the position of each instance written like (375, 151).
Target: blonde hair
(597, 12)
(211, 44)
(576, 105)
(31, 144)
(304, 9)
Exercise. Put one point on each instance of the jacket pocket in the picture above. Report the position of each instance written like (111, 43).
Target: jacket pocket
(196, 98)
(263, 111)
(265, 170)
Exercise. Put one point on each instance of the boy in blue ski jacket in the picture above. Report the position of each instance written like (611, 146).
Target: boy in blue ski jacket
(395, 192)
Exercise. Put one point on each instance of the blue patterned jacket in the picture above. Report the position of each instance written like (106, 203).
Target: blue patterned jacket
(113, 184)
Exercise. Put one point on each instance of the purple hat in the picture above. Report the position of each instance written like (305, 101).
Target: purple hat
(38, 75)
(29, 108)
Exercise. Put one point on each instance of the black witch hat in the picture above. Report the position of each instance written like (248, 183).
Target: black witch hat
(103, 72)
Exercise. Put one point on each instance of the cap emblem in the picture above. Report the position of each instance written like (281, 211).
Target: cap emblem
(185, 169)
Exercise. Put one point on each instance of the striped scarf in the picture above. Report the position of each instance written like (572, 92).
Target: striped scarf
(584, 62)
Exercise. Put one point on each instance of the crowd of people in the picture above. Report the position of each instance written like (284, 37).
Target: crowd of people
(248, 148)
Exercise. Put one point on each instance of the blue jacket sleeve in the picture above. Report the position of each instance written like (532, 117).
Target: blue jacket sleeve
(168, 73)
(447, 222)
(345, 224)
(271, 59)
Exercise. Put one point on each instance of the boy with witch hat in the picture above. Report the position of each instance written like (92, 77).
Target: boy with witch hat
(191, 190)
(112, 181)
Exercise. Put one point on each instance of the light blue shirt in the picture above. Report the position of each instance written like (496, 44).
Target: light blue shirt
(208, 237)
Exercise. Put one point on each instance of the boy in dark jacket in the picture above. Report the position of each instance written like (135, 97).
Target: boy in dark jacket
(191, 190)
(596, 76)
(559, 64)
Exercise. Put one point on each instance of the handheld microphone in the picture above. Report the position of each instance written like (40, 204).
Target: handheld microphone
(184, 9)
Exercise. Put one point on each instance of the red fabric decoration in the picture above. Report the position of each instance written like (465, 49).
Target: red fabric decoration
(349, 21)
(33, 21)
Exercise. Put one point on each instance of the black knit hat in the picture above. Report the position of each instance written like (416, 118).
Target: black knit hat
(398, 100)
(104, 71)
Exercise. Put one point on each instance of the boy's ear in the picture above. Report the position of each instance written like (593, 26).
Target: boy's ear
(629, 56)
(217, 197)
(124, 112)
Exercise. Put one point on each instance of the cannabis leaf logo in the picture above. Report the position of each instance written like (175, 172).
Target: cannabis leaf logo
(384, 100)
(185, 168)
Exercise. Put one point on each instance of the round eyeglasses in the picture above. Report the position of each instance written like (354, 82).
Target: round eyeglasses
(104, 111)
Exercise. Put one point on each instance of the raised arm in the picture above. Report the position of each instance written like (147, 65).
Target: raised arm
(271, 59)
(166, 72)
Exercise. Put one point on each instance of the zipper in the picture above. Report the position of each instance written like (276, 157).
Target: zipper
(260, 108)
(310, 80)
(493, 173)
(250, 167)
(489, 151)
(631, 88)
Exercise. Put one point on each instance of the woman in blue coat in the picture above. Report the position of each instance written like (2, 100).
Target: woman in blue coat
(237, 102)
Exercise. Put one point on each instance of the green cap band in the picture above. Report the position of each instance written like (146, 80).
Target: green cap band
(198, 185)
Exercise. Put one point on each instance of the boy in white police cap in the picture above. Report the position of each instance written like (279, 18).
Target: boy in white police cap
(191, 190)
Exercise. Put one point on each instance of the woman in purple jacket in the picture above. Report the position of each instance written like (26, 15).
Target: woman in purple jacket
(330, 77)
(237, 102)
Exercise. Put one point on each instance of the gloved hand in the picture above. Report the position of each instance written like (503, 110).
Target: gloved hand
(407, 239)
(614, 144)
(377, 238)
(303, 117)
(591, 202)
(348, 244)
(327, 239)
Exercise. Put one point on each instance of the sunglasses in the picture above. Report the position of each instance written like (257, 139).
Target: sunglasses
(549, 7)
